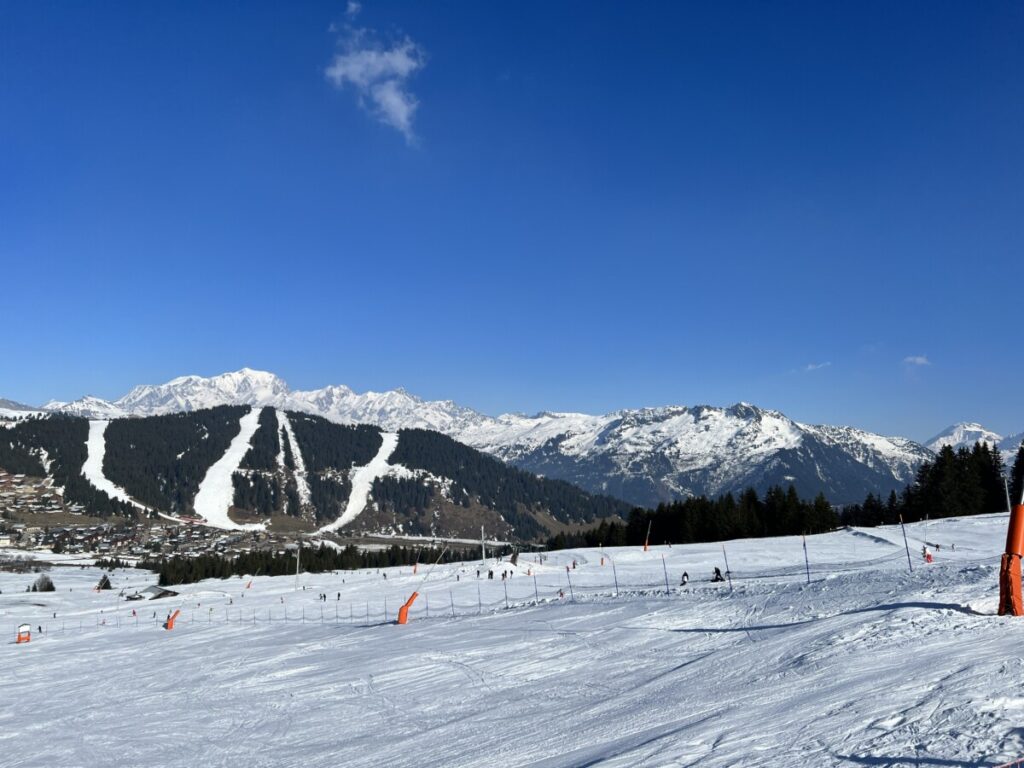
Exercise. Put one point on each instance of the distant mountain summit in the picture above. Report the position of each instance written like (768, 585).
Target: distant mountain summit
(644, 456)
(966, 434)
(651, 455)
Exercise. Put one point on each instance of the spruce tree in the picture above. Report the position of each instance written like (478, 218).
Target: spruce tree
(1017, 477)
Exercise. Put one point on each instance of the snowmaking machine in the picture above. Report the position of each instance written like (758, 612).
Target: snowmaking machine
(1009, 570)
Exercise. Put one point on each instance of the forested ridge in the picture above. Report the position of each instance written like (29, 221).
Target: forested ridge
(492, 483)
(161, 460)
(326, 445)
(265, 444)
(63, 439)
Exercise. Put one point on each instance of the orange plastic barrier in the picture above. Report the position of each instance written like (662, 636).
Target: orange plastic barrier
(24, 634)
(1009, 570)
(403, 612)
(169, 624)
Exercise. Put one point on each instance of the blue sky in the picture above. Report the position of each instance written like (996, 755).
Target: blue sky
(815, 207)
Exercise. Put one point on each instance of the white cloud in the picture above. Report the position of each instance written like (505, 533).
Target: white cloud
(353, 8)
(917, 360)
(379, 74)
(816, 366)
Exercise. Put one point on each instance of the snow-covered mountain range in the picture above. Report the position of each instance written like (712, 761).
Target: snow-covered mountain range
(966, 434)
(644, 456)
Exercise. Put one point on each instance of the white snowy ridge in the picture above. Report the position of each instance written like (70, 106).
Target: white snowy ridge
(672, 451)
(966, 434)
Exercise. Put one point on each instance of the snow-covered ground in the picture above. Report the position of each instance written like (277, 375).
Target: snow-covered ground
(216, 492)
(301, 481)
(868, 665)
(362, 482)
(92, 468)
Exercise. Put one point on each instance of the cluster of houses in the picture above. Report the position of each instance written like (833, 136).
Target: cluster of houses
(24, 494)
(133, 540)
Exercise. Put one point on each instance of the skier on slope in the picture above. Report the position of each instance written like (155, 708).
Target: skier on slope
(718, 575)
(686, 578)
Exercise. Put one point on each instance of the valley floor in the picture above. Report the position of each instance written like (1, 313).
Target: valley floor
(867, 665)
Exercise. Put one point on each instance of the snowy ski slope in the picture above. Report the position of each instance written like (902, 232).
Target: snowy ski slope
(92, 467)
(868, 665)
(362, 482)
(216, 491)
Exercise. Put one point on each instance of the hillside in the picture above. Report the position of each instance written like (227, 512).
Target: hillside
(236, 466)
(644, 456)
(658, 454)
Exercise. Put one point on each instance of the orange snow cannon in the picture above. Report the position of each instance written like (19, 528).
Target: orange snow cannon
(169, 624)
(1009, 571)
(24, 634)
(403, 612)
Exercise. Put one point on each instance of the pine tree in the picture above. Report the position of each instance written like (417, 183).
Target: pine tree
(1017, 477)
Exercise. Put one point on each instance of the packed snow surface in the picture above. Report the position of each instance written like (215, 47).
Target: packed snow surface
(217, 492)
(362, 482)
(301, 481)
(92, 468)
(867, 665)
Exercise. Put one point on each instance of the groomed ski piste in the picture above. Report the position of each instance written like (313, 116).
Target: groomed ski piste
(362, 482)
(867, 665)
(216, 491)
(92, 468)
(301, 481)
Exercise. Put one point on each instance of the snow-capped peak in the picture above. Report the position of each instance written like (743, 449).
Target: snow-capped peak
(90, 407)
(643, 455)
(964, 435)
(188, 393)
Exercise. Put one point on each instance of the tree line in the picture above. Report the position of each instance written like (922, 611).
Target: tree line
(699, 519)
(961, 482)
(187, 570)
(957, 483)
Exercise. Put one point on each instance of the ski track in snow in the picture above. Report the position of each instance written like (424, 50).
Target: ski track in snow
(868, 665)
(92, 469)
(362, 482)
(216, 491)
(301, 483)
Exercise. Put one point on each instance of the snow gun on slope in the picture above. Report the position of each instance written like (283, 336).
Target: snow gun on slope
(1009, 570)
(403, 612)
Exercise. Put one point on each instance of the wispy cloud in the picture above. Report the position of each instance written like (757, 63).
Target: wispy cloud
(379, 73)
(815, 366)
(917, 360)
(353, 8)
